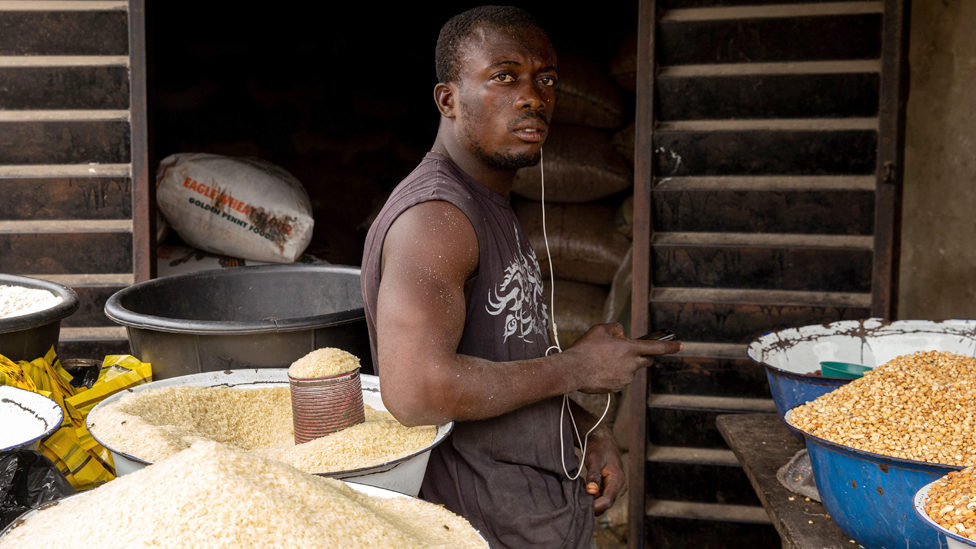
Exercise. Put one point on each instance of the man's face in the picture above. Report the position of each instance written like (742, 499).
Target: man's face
(506, 95)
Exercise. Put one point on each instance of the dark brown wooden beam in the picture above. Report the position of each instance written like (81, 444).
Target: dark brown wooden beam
(65, 87)
(27, 199)
(66, 253)
(714, 151)
(811, 95)
(63, 32)
(143, 191)
(690, 42)
(764, 211)
(81, 141)
(891, 157)
(640, 305)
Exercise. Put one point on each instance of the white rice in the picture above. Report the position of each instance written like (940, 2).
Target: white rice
(157, 423)
(19, 301)
(212, 496)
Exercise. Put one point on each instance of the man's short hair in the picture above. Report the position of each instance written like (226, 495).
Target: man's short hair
(456, 31)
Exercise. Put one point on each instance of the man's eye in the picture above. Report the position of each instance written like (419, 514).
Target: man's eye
(507, 78)
(548, 81)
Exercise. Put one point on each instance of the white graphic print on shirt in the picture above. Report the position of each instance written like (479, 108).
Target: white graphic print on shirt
(520, 295)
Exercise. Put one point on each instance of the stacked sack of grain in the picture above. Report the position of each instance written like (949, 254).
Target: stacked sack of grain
(173, 260)
(586, 179)
(237, 207)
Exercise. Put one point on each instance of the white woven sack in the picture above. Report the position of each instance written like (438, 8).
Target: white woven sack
(240, 207)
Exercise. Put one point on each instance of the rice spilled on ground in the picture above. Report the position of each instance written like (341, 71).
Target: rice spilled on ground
(157, 423)
(917, 407)
(212, 496)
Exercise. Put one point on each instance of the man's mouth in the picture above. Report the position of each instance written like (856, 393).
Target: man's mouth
(531, 128)
(531, 134)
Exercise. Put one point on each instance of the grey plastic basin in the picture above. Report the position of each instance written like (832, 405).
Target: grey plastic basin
(31, 336)
(265, 316)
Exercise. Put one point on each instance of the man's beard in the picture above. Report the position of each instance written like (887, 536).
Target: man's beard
(506, 161)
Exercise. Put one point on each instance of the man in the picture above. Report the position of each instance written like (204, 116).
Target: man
(457, 319)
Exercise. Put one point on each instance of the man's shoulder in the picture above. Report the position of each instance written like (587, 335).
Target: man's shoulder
(433, 171)
(434, 179)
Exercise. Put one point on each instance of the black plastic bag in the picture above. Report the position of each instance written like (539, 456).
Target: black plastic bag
(27, 480)
(84, 372)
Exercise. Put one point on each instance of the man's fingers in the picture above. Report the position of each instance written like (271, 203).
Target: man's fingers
(594, 482)
(614, 484)
(657, 348)
(617, 330)
(613, 488)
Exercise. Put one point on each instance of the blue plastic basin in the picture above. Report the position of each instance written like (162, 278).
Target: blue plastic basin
(871, 497)
(791, 390)
(791, 356)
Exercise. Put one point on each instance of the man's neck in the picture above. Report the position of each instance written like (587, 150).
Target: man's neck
(495, 180)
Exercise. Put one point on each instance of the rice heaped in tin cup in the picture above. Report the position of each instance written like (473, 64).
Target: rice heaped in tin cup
(326, 393)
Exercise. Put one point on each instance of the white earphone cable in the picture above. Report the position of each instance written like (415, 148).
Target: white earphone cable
(555, 336)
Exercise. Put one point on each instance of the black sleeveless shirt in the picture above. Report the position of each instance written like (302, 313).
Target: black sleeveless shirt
(503, 474)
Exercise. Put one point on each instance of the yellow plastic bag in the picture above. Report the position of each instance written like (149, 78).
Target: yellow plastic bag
(12, 374)
(119, 372)
(48, 375)
(84, 462)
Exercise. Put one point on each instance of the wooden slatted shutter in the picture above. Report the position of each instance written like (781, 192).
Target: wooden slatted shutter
(72, 144)
(767, 184)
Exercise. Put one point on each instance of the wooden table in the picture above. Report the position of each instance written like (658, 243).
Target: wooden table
(763, 444)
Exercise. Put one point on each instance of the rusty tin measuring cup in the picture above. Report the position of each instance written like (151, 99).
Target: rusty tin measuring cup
(324, 405)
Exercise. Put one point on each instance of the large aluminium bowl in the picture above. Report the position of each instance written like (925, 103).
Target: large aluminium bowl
(870, 496)
(363, 488)
(403, 474)
(31, 336)
(26, 418)
(938, 533)
(265, 316)
(791, 356)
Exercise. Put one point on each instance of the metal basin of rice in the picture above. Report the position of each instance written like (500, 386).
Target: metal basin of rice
(404, 474)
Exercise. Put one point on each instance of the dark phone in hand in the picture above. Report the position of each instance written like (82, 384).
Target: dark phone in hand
(660, 335)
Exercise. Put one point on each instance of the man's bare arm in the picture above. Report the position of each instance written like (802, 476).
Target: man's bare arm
(428, 254)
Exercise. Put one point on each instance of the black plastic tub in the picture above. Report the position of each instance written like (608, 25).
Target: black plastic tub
(31, 336)
(266, 316)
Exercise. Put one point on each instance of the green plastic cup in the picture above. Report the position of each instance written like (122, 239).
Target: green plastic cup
(843, 369)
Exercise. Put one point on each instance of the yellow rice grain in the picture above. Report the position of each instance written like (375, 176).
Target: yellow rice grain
(952, 503)
(917, 407)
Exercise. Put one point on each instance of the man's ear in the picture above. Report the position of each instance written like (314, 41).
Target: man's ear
(444, 97)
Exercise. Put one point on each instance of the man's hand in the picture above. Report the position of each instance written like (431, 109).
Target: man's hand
(609, 358)
(605, 479)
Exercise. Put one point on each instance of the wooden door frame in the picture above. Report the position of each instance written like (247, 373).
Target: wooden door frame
(143, 195)
(890, 168)
(640, 296)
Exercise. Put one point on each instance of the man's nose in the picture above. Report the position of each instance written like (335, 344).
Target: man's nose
(531, 98)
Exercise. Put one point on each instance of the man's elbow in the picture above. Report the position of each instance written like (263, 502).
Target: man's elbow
(427, 403)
